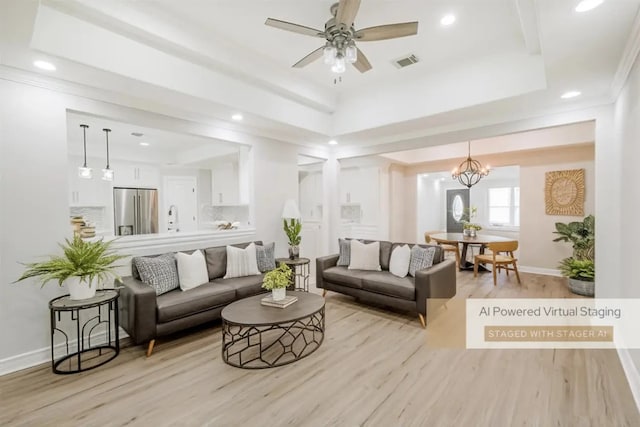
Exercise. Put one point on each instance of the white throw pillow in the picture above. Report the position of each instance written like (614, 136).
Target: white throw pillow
(399, 263)
(365, 256)
(192, 270)
(241, 262)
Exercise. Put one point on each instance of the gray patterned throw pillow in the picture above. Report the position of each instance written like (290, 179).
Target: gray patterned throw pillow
(345, 253)
(421, 258)
(161, 272)
(265, 256)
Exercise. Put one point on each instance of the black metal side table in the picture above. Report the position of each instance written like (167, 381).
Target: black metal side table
(96, 331)
(300, 276)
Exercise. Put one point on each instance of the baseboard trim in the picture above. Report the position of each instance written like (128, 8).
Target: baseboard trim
(538, 270)
(632, 374)
(41, 356)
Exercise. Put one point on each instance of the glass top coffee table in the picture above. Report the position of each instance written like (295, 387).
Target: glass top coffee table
(256, 336)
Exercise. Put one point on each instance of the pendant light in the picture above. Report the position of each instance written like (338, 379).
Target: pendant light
(470, 171)
(107, 173)
(84, 171)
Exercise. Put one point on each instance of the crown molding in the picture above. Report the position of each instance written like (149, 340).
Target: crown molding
(629, 55)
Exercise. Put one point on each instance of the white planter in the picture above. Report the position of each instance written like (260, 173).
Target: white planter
(279, 294)
(80, 289)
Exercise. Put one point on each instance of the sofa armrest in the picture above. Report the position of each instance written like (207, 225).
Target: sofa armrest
(137, 306)
(438, 281)
(322, 263)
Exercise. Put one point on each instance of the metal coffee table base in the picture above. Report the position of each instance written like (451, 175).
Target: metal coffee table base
(268, 346)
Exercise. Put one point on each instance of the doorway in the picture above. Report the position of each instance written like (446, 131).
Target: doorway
(457, 202)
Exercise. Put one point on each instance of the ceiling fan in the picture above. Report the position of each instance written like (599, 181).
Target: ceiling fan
(341, 37)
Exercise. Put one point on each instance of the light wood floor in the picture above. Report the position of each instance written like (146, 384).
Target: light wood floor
(374, 368)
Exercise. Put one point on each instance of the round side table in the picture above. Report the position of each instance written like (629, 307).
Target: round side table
(300, 268)
(92, 338)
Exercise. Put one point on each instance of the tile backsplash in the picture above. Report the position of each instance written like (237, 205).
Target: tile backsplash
(94, 215)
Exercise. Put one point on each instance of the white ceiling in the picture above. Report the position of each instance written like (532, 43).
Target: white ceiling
(502, 60)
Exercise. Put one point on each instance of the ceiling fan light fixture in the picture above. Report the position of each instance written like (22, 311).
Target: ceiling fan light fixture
(340, 65)
(351, 53)
(329, 54)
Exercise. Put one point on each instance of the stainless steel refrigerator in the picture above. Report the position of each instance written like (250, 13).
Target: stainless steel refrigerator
(135, 211)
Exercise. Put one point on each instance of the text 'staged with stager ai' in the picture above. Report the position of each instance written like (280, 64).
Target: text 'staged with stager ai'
(553, 323)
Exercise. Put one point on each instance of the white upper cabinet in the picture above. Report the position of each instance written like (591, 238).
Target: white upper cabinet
(225, 184)
(135, 175)
(94, 192)
(359, 186)
(310, 195)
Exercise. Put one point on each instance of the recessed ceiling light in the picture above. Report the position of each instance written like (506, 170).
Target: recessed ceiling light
(237, 117)
(586, 5)
(144, 144)
(44, 65)
(571, 94)
(333, 142)
(448, 19)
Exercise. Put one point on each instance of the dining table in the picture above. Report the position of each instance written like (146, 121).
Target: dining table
(479, 239)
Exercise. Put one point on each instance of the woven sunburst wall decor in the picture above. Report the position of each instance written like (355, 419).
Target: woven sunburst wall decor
(564, 192)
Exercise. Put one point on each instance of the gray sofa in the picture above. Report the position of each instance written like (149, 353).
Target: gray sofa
(383, 288)
(146, 316)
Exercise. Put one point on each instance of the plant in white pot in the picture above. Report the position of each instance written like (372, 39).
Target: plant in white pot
(579, 268)
(277, 281)
(83, 265)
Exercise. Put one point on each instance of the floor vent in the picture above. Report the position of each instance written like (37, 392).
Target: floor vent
(405, 61)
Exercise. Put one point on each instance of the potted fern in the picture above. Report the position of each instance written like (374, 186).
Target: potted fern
(292, 230)
(83, 265)
(277, 281)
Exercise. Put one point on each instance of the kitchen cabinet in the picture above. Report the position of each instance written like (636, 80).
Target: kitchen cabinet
(135, 175)
(310, 187)
(225, 185)
(87, 192)
(360, 186)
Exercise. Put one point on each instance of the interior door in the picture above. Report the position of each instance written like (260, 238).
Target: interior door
(457, 202)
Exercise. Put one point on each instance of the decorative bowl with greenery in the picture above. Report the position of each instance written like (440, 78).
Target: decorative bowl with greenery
(292, 230)
(81, 266)
(277, 281)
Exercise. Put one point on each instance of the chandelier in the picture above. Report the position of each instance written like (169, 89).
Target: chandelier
(470, 171)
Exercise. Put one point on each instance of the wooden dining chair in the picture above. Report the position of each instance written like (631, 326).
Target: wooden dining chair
(497, 260)
(447, 247)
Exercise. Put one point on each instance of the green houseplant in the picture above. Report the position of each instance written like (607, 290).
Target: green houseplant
(277, 281)
(292, 229)
(470, 228)
(81, 266)
(580, 267)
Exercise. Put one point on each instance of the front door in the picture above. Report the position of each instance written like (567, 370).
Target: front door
(457, 202)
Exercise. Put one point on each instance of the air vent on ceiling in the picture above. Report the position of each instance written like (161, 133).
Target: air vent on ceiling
(405, 61)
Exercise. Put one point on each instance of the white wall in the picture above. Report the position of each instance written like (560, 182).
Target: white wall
(35, 208)
(627, 133)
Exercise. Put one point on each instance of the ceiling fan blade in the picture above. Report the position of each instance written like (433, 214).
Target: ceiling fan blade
(347, 10)
(362, 63)
(295, 28)
(316, 54)
(384, 32)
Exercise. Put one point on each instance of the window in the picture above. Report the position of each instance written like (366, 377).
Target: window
(504, 206)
